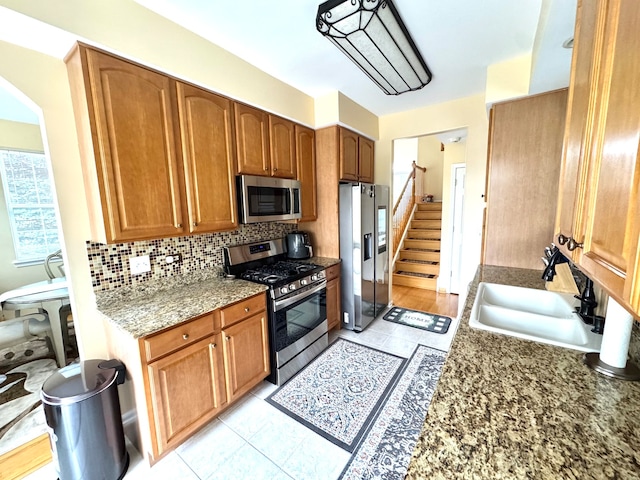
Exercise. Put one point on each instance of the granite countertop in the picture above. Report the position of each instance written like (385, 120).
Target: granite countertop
(325, 262)
(159, 308)
(144, 310)
(507, 408)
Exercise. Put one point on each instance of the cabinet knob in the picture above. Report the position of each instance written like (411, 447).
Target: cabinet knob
(246, 309)
(195, 224)
(275, 169)
(562, 239)
(572, 245)
(227, 338)
(179, 225)
(185, 336)
(213, 345)
(266, 169)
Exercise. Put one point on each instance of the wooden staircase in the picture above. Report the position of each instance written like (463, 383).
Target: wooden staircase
(418, 264)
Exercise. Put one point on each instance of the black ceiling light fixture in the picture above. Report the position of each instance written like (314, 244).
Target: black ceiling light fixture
(371, 33)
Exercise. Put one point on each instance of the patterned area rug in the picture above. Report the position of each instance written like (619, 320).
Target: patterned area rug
(385, 452)
(426, 321)
(340, 392)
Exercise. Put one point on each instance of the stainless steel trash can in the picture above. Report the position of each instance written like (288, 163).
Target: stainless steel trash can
(82, 410)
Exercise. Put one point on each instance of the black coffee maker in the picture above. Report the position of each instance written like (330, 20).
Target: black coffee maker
(299, 245)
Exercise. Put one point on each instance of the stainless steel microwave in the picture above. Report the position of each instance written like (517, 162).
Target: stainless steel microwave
(268, 199)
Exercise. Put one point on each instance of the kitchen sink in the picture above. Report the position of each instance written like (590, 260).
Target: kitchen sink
(532, 314)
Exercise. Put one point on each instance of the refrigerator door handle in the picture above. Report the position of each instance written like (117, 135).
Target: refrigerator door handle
(367, 245)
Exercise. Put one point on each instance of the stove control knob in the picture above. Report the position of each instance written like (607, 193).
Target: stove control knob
(303, 282)
(314, 277)
(284, 290)
(292, 287)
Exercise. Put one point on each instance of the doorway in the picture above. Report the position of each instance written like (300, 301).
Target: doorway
(26, 361)
(440, 183)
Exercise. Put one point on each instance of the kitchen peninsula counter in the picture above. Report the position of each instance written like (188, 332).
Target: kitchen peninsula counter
(507, 408)
(147, 310)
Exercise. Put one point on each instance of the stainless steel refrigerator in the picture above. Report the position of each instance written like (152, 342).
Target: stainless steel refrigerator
(364, 237)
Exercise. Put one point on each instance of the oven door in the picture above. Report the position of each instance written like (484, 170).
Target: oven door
(295, 321)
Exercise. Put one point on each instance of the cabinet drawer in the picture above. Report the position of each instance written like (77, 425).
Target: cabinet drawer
(177, 337)
(332, 272)
(241, 310)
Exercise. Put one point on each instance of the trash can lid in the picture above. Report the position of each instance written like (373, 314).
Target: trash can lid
(77, 382)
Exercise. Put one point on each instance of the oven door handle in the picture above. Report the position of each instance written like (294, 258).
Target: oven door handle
(278, 305)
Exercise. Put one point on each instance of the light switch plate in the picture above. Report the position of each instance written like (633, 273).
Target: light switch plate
(138, 265)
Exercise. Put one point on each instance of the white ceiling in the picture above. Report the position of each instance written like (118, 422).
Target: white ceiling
(458, 39)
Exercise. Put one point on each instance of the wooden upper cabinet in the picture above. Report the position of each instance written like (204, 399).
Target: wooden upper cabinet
(130, 161)
(356, 157)
(348, 155)
(208, 155)
(606, 214)
(252, 140)
(283, 147)
(306, 163)
(365, 158)
(579, 120)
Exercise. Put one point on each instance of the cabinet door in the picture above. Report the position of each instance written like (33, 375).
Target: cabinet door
(246, 355)
(348, 155)
(579, 120)
(252, 140)
(334, 311)
(610, 220)
(206, 125)
(131, 110)
(187, 390)
(306, 162)
(283, 147)
(365, 160)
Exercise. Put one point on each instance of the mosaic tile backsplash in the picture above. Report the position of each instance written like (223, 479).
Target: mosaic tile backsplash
(110, 263)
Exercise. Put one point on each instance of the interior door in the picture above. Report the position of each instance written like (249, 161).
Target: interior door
(459, 172)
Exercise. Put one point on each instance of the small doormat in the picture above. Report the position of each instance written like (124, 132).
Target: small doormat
(340, 392)
(426, 321)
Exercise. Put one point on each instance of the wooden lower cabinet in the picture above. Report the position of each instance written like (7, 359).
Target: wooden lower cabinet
(187, 390)
(184, 376)
(334, 310)
(246, 354)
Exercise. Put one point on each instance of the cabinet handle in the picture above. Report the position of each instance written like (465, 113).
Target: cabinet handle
(572, 245)
(185, 336)
(246, 309)
(562, 239)
(227, 338)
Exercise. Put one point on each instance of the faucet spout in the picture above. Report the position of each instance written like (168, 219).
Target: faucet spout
(556, 258)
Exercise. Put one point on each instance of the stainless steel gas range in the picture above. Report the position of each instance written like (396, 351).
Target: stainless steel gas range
(296, 303)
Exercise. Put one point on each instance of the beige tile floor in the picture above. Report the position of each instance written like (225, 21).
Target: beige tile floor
(253, 440)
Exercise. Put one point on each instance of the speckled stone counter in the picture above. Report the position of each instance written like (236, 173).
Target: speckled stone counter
(507, 408)
(141, 313)
(325, 262)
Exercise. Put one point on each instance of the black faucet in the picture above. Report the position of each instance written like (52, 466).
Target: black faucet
(556, 258)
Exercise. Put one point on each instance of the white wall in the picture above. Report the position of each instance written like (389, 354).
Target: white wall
(431, 157)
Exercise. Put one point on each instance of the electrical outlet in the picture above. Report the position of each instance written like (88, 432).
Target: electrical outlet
(138, 265)
(173, 258)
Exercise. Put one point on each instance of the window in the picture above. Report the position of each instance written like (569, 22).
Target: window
(30, 204)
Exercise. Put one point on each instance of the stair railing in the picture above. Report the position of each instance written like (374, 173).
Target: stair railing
(403, 209)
